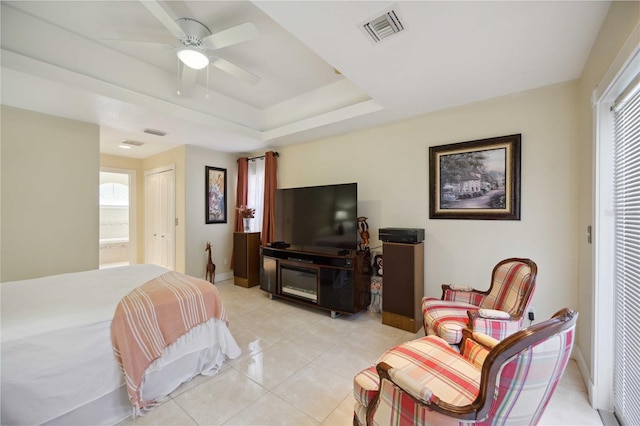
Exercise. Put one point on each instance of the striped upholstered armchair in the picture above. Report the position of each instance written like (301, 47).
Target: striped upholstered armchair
(489, 382)
(497, 312)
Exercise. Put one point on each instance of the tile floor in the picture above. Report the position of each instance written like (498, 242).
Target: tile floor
(297, 367)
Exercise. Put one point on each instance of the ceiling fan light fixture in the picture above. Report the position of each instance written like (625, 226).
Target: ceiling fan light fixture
(193, 58)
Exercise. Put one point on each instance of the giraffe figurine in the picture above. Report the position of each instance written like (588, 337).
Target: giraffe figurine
(211, 267)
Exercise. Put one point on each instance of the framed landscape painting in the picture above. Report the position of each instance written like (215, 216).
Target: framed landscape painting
(475, 180)
(215, 195)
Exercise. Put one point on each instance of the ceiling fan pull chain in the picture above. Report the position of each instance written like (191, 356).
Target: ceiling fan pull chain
(178, 74)
(207, 96)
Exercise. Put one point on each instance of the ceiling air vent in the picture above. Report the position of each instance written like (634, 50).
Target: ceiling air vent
(383, 26)
(132, 143)
(155, 132)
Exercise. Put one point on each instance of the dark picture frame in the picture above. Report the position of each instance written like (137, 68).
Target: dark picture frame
(215, 185)
(476, 180)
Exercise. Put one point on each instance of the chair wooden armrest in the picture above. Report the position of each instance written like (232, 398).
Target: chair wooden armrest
(474, 314)
(464, 412)
(498, 328)
(456, 289)
(481, 338)
(435, 403)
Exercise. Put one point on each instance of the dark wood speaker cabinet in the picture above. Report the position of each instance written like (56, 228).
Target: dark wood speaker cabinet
(403, 285)
(246, 259)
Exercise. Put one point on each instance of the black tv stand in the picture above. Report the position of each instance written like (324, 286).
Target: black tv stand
(279, 245)
(335, 282)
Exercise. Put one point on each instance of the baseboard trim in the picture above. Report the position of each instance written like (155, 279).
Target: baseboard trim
(608, 418)
(584, 372)
(224, 276)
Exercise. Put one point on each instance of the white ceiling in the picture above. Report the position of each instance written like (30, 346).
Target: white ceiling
(65, 58)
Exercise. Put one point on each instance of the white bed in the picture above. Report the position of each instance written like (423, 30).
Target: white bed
(57, 362)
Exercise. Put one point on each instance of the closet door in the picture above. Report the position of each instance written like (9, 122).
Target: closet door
(160, 217)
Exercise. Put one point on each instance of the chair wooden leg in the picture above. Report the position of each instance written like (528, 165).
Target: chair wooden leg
(355, 420)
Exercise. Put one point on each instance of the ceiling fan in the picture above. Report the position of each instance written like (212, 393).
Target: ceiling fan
(196, 43)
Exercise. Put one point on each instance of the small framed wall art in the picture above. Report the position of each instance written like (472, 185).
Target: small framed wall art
(475, 180)
(215, 195)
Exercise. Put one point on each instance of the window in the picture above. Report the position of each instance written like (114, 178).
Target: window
(255, 192)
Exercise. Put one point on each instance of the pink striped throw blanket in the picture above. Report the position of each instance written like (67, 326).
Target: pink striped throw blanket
(155, 315)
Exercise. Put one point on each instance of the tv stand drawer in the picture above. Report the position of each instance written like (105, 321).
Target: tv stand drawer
(335, 261)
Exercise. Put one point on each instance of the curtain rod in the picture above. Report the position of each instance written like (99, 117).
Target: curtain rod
(261, 156)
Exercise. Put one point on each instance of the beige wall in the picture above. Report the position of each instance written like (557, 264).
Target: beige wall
(220, 235)
(49, 195)
(616, 29)
(390, 165)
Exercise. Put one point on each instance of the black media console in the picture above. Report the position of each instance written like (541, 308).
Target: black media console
(336, 282)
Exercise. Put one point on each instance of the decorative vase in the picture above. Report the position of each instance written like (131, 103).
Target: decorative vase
(247, 224)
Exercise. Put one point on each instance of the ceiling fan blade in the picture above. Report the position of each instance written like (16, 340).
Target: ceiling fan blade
(234, 70)
(142, 44)
(187, 80)
(231, 36)
(164, 18)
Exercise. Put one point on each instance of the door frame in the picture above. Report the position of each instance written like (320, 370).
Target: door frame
(618, 76)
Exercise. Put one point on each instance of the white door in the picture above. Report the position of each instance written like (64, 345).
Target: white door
(160, 217)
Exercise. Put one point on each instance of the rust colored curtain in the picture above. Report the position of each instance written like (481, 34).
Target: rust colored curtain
(241, 191)
(270, 185)
(241, 195)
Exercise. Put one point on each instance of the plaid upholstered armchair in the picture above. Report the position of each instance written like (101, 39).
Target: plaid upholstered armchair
(489, 382)
(497, 312)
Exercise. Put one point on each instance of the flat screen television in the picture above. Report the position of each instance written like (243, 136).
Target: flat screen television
(318, 217)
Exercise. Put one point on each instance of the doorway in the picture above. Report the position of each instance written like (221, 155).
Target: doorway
(615, 297)
(117, 234)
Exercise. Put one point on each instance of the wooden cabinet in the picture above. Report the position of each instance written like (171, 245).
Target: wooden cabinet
(246, 259)
(403, 286)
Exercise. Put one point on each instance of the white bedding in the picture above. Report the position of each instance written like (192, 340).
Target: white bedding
(57, 361)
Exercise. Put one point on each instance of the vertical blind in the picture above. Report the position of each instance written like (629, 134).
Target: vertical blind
(626, 196)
